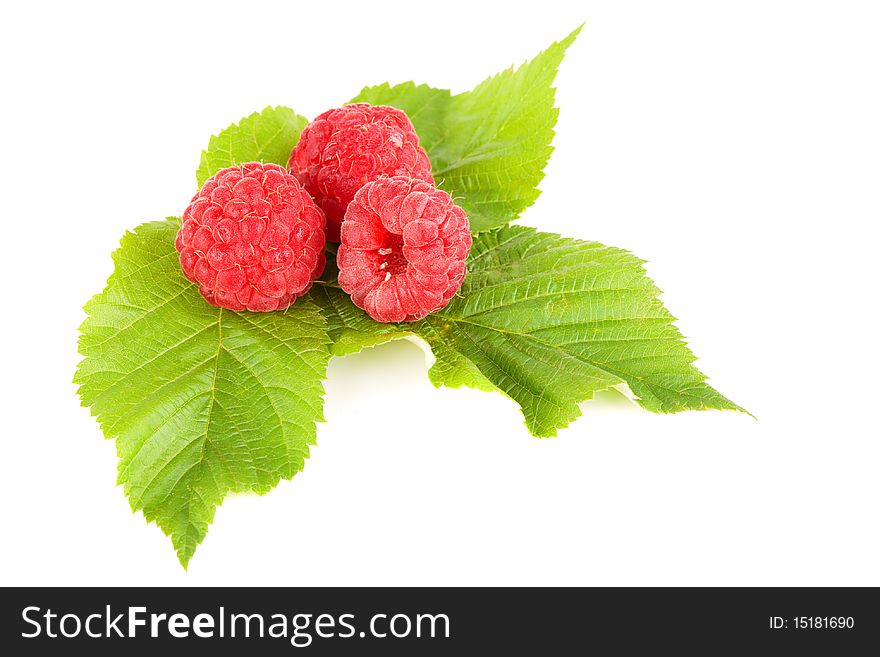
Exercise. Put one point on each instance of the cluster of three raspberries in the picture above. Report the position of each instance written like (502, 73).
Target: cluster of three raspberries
(254, 235)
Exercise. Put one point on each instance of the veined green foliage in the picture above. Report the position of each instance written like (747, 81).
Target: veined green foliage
(201, 401)
(550, 321)
(489, 146)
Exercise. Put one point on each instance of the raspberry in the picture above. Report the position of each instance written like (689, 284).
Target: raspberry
(252, 238)
(345, 148)
(403, 251)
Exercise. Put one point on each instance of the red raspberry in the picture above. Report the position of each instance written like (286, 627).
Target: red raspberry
(345, 148)
(252, 238)
(403, 251)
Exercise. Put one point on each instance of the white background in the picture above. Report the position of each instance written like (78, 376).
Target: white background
(736, 146)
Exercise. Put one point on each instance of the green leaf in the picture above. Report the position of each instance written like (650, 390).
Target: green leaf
(201, 401)
(488, 147)
(267, 136)
(550, 321)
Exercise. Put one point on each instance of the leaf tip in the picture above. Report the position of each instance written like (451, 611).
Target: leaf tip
(184, 558)
(740, 409)
(568, 40)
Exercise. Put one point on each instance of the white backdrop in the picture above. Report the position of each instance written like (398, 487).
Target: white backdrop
(735, 146)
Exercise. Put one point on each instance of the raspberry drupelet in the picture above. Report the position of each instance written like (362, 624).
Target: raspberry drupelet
(252, 238)
(345, 148)
(403, 251)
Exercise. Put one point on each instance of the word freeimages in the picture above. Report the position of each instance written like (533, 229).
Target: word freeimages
(300, 629)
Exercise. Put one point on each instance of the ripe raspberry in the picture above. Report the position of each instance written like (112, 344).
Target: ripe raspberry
(345, 148)
(404, 245)
(252, 238)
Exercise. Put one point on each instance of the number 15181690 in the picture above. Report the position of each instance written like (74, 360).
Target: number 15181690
(812, 623)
